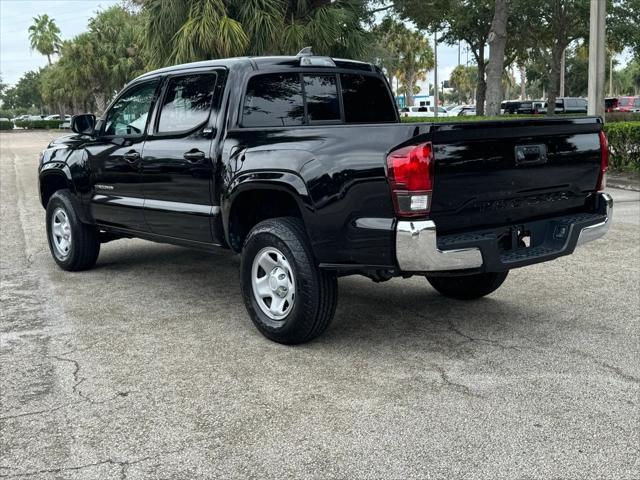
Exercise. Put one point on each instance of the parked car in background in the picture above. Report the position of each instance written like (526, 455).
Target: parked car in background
(520, 107)
(462, 110)
(422, 112)
(610, 104)
(568, 105)
(629, 104)
(35, 117)
(57, 117)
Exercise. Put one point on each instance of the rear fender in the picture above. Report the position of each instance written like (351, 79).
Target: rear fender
(283, 181)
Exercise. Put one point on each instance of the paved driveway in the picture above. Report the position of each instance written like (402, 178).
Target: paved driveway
(148, 367)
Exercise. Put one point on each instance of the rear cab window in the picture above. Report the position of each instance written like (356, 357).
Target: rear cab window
(309, 98)
(366, 99)
(273, 100)
(187, 102)
(321, 95)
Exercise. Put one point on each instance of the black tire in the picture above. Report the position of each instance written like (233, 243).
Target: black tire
(316, 291)
(85, 243)
(468, 287)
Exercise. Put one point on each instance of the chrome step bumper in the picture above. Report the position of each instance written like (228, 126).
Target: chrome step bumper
(417, 246)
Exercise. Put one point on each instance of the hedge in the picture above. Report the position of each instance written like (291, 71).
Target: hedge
(6, 125)
(39, 124)
(624, 145)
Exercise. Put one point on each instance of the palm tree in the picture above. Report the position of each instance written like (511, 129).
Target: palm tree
(415, 59)
(177, 31)
(44, 36)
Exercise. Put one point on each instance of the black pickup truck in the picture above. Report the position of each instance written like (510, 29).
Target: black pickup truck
(301, 165)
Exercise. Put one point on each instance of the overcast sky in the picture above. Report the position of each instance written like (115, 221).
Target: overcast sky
(16, 16)
(71, 16)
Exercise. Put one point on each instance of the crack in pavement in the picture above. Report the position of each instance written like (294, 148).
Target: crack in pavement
(460, 387)
(470, 339)
(612, 368)
(38, 412)
(123, 464)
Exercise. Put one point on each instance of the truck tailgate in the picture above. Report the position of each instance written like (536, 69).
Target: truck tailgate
(506, 172)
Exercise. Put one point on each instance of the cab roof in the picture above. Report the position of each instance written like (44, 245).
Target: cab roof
(260, 63)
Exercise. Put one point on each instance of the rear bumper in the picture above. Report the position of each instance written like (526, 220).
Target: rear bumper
(419, 249)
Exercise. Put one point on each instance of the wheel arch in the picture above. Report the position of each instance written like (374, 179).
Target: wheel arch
(53, 179)
(260, 196)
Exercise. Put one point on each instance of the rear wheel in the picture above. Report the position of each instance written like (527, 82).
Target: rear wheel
(74, 245)
(289, 299)
(468, 287)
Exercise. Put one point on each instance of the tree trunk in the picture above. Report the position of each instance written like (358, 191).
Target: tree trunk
(481, 87)
(49, 59)
(554, 76)
(101, 102)
(497, 42)
(408, 87)
(523, 81)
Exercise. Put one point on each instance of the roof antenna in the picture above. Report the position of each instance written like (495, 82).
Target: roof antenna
(305, 52)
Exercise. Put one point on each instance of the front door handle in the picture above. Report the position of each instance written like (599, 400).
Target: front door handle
(194, 155)
(131, 156)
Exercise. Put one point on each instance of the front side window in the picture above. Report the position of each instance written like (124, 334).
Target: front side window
(637, 102)
(187, 103)
(321, 93)
(366, 99)
(273, 100)
(128, 116)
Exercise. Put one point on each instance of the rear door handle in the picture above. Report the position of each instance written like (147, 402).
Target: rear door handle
(131, 156)
(194, 155)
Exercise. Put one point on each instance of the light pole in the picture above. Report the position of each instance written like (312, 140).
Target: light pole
(597, 57)
(611, 74)
(562, 71)
(435, 74)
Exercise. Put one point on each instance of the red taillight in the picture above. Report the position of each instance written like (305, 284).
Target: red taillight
(410, 171)
(604, 162)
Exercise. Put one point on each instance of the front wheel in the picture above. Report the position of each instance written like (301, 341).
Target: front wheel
(289, 299)
(73, 244)
(468, 287)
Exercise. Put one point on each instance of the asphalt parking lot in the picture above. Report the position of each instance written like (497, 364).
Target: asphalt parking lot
(148, 367)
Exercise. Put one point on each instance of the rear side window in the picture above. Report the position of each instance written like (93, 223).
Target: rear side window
(366, 99)
(187, 103)
(637, 102)
(273, 100)
(321, 93)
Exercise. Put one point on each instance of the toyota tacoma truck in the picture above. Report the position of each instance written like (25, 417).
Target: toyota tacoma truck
(301, 165)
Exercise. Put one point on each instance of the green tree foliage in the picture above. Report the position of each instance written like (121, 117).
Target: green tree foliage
(95, 64)
(466, 20)
(178, 31)
(404, 54)
(623, 25)
(25, 95)
(463, 81)
(415, 59)
(44, 36)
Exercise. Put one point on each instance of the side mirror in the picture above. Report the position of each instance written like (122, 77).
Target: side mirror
(83, 124)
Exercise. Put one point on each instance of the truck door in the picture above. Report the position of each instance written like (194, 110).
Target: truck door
(178, 163)
(117, 198)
